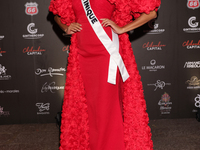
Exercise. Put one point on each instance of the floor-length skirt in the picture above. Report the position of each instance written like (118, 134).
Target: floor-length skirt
(104, 102)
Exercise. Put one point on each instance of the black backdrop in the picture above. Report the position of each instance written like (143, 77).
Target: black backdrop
(33, 59)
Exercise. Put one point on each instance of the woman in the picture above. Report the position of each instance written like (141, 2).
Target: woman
(104, 106)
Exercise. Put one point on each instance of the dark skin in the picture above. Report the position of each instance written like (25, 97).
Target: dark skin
(76, 27)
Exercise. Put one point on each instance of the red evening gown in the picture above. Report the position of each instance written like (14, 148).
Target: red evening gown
(98, 115)
(103, 98)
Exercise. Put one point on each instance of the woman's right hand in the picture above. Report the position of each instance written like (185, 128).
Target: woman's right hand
(73, 28)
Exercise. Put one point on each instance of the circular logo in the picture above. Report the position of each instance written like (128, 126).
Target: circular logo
(191, 23)
(197, 101)
(153, 62)
(30, 30)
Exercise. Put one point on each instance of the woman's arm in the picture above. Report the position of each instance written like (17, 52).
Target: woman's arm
(71, 29)
(144, 18)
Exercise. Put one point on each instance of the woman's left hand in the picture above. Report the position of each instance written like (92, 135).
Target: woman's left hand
(107, 22)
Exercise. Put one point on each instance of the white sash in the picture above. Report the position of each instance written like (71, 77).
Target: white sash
(111, 46)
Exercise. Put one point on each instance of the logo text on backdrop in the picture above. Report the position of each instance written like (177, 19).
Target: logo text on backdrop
(31, 8)
(193, 4)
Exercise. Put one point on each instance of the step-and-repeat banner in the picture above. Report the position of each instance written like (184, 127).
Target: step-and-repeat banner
(33, 60)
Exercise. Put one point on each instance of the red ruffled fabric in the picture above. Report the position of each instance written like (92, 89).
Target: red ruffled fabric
(63, 8)
(137, 133)
(74, 125)
(143, 6)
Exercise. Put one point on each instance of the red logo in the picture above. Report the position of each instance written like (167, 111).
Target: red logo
(31, 8)
(32, 51)
(148, 44)
(65, 48)
(152, 46)
(191, 44)
(193, 4)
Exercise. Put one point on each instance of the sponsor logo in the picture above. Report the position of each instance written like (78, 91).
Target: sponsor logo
(165, 103)
(32, 51)
(159, 84)
(153, 66)
(151, 46)
(197, 101)
(51, 87)
(193, 4)
(153, 28)
(50, 72)
(32, 30)
(1, 37)
(191, 45)
(193, 83)
(2, 70)
(193, 24)
(66, 48)
(4, 113)
(192, 64)
(3, 75)
(43, 108)
(9, 91)
(2, 52)
(31, 8)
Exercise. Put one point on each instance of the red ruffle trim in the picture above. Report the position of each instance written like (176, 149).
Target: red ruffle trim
(74, 125)
(143, 6)
(137, 133)
(63, 8)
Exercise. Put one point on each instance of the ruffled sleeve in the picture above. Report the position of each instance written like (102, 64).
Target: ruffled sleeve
(63, 8)
(143, 6)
